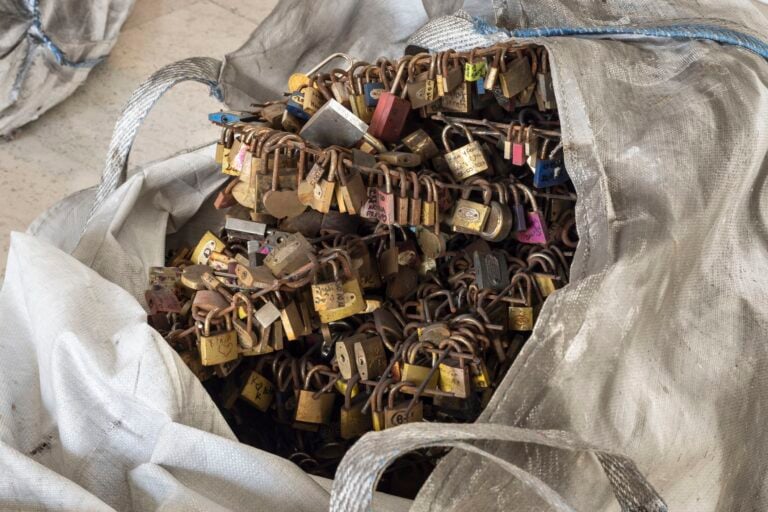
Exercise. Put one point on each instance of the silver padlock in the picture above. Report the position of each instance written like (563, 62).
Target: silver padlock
(245, 229)
(333, 124)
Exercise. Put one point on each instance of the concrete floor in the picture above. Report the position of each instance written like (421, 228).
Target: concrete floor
(64, 151)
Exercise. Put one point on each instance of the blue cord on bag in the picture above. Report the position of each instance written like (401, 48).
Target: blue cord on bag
(676, 31)
(36, 33)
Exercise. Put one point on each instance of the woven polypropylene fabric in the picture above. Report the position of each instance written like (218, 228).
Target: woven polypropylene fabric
(366, 461)
(47, 50)
(655, 350)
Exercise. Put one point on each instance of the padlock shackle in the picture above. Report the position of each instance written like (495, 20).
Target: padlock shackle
(237, 299)
(384, 168)
(401, 67)
(529, 195)
(543, 260)
(338, 55)
(351, 74)
(394, 390)
(377, 398)
(315, 369)
(527, 293)
(350, 384)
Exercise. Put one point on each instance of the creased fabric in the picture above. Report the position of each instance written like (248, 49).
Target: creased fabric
(654, 351)
(47, 49)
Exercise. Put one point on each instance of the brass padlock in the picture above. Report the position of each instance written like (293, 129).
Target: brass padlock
(290, 315)
(370, 357)
(521, 317)
(258, 390)
(327, 290)
(458, 100)
(429, 210)
(388, 258)
(420, 87)
(313, 97)
(377, 404)
(415, 202)
(207, 244)
(363, 263)
(454, 375)
(192, 276)
(493, 71)
(399, 414)
(420, 143)
(449, 77)
(254, 277)
(339, 87)
(218, 347)
(402, 201)
(311, 409)
(289, 255)
(357, 96)
(284, 203)
(515, 75)
(414, 369)
(546, 281)
(345, 355)
(500, 218)
(354, 422)
(466, 161)
(352, 189)
(471, 216)
(354, 301)
(224, 145)
(245, 335)
(323, 192)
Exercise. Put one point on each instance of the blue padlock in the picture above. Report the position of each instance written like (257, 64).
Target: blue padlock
(371, 92)
(549, 173)
(295, 106)
(224, 117)
(481, 85)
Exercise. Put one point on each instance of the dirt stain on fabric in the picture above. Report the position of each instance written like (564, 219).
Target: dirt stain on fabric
(42, 447)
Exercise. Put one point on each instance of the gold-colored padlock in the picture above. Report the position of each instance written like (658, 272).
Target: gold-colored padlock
(217, 347)
(521, 317)
(311, 409)
(258, 391)
(402, 413)
(353, 421)
(466, 161)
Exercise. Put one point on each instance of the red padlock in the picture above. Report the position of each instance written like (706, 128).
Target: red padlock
(392, 110)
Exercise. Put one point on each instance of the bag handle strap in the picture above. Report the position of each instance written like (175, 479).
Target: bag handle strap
(365, 462)
(199, 69)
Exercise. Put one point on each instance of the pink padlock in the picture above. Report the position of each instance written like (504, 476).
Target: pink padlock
(536, 230)
(239, 160)
(380, 204)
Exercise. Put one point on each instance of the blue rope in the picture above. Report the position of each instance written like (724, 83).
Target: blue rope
(679, 31)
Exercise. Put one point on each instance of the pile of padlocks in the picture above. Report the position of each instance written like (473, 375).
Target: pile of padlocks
(391, 231)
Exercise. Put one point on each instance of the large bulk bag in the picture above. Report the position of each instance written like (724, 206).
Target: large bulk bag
(653, 353)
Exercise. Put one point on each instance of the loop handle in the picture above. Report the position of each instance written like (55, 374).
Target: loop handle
(199, 69)
(365, 462)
